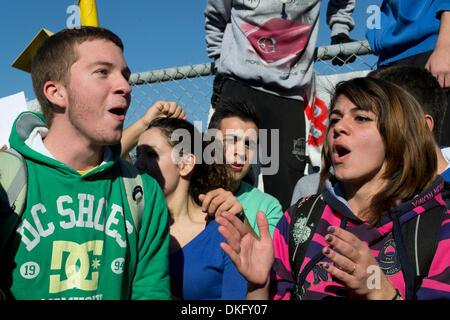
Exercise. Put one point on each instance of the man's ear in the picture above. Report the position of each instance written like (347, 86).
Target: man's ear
(56, 93)
(430, 121)
(187, 164)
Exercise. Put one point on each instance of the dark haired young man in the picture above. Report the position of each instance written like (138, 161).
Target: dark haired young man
(238, 126)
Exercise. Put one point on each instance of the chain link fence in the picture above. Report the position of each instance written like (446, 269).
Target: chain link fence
(191, 86)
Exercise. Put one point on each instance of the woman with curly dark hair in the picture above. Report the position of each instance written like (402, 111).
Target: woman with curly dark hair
(199, 269)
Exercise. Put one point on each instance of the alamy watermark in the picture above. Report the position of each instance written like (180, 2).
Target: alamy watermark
(374, 19)
(372, 22)
(74, 19)
(374, 280)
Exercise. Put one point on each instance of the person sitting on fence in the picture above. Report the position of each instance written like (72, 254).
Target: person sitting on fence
(357, 239)
(237, 126)
(415, 34)
(263, 52)
(199, 269)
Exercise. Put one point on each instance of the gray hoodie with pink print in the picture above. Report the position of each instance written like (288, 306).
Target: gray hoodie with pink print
(269, 44)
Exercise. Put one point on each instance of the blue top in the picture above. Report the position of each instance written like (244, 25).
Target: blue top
(201, 270)
(446, 175)
(407, 28)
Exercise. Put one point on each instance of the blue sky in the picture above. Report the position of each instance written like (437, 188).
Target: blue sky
(156, 34)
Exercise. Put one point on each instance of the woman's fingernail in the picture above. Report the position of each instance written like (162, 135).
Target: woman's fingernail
(327, 251)
(331, 229)
(328, 238)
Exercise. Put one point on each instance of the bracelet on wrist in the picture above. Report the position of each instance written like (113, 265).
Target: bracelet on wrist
(241, 216)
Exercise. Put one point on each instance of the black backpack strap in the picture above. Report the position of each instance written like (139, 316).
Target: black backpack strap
(303, 224)
(421, 238)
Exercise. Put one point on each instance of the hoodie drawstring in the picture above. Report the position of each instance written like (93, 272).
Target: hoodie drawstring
(402, 253)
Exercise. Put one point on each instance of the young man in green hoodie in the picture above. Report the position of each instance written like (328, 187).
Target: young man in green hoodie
(77, 238)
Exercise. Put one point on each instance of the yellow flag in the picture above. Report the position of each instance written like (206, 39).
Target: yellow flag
(88, 13)
(24, 60)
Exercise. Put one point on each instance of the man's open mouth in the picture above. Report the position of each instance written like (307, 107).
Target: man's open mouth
(118, 112)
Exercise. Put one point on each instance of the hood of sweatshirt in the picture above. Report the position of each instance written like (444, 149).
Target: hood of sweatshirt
(405, 210)
(446, 173)
(384, 239)
(386, 235)
(26, 137)
(446, 153)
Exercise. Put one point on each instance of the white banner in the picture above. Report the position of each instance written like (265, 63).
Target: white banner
(10, 108)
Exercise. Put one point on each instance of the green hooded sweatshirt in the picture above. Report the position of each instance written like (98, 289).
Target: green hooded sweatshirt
(77, 238)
